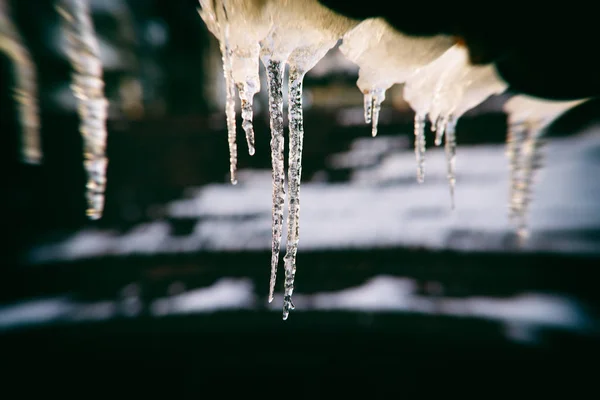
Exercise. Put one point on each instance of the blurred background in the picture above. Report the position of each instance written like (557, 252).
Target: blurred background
(172, 282)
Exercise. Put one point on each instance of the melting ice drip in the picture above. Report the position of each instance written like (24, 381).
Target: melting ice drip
(88, 87)
(25, 92)
(440, 85)
(527, 119)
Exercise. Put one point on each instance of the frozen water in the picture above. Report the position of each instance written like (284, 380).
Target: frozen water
(444, 90)
(385, 57)
(88, 87)
(25, 91)
(527, 118)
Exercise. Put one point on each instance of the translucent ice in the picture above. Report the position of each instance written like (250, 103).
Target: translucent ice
(215, 16)
(527, 119)
(302, 33)
(25, 92)
(385, 57)
(444, 90)
(88, 87)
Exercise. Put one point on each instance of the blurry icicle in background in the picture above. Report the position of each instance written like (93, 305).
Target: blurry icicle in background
(88, 87)
(527, 119)
(25, 91)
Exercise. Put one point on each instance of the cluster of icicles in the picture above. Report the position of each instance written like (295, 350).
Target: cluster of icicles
(440, 85)
(87, 86)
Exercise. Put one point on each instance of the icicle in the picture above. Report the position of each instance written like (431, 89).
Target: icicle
(420, 146)
(239, 25)
(514, 143)
(88, 87)
(294, 175)
(450, 148)
(524, 153)
(368, 104)
(378, 98)
(439, 128)
(275, 70)
(531, 162)
(301, 38)
(443, 91)
(246, 97)
(223, 22)
(527, 119)
(25, 92)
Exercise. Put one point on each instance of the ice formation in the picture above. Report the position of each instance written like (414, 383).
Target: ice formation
(303, 33)
(386, 57)
(25, 91)
(240, 51)
(527, 119)
(88, 87)
(443, 91)
(440, 85)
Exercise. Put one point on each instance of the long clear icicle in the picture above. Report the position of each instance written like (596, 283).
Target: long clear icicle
(448, 128)
(88, 87)
(25, 92)
(230, 89)
(420, 146)
(296, 133)
(275, 70)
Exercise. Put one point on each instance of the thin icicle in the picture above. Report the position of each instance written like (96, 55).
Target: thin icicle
(420, 146)
(368, 105)
(531, 162)
(246, 96)
(88, 87)
(25, 92)
(275, 70)
(516, 138)
(450, 148)
(439, 128)
(294, 176)
(524, 152)
(229, 87)
(378, 98)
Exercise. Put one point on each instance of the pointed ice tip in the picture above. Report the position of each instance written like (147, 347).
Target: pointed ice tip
(270, 298)
(94, 215)
(285, 316)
